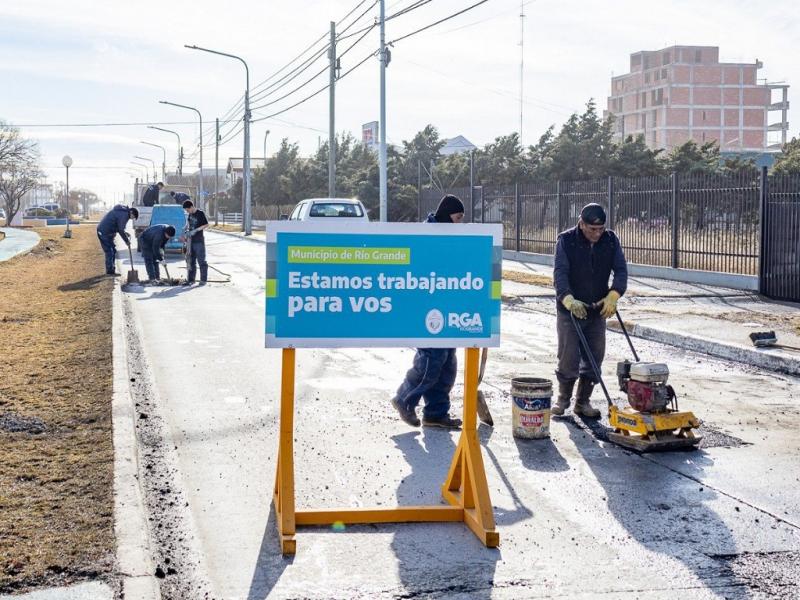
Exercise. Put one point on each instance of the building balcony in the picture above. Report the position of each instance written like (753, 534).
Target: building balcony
(779, 106)
(781, 126)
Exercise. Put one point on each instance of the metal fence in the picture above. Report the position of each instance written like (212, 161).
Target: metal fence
(779, 275)
(705, 222)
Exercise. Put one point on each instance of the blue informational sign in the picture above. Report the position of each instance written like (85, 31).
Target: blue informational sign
(422, 285)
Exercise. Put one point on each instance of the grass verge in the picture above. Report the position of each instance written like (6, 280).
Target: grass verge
(56, 472)
(529, 278)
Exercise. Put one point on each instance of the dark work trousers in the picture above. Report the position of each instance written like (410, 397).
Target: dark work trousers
(110, 250)
(431, 377)
(153, 271)
(198, 256)
(572, 360)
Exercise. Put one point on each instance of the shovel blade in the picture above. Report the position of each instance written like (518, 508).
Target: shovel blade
(133, 276)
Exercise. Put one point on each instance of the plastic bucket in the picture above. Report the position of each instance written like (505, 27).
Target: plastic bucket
(530, 407)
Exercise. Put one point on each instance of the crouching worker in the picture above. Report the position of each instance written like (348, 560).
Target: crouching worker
(433, 373)
(114, 222)
(196, 222)
(153, 240)
(585, 257)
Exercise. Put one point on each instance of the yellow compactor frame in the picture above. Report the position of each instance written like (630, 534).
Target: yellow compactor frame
(465, 490)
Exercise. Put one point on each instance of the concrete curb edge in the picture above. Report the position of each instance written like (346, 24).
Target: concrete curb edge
(130, 520)
(250, 238)
(751, 356)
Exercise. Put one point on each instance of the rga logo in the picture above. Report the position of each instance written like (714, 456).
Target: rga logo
(468, 322)
(434, 321)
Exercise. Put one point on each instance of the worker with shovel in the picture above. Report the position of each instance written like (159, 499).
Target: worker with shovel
(153, 240)
(433, 373)
(196, 222)
(585, 257)
(114, 222)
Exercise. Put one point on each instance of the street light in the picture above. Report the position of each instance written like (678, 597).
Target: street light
(247, 220)
(152, 162)
(146, 178)
(180, 148)
(266, 133)
(67, 162)
(163, 162)
(200, 194)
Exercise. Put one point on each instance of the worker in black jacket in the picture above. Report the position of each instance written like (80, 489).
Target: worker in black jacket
(585, 257)
(114, 222)
(153, 240)
(151, 194)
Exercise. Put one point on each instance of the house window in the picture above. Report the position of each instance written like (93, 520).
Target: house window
(647, 77)
(643, 118)
(654, 118)
(657, 97)
(698, 56)
(646, 62)
(663, 73)
(644, 99)
(704, 115)
(665, 58)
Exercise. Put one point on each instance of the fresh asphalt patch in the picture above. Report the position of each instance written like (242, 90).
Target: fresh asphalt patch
(174, 549)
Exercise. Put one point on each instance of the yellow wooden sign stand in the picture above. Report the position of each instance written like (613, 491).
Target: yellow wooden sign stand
(465, 489)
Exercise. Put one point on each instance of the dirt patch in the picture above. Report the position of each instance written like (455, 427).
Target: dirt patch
(56, 474)
(529, 278)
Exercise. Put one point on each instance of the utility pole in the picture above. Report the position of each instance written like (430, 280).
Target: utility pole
(332, 115)
(248, 192)
(216, 174)
(384, 57)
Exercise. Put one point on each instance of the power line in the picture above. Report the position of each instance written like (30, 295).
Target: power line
(435, 23)
(137, 124)
(319, 91)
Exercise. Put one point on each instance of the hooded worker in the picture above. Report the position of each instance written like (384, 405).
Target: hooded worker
(585, 257)
(433, 373)
(153, 240)
(114, 222)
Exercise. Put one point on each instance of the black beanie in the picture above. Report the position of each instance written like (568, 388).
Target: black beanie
(593, 214)
(449, 205)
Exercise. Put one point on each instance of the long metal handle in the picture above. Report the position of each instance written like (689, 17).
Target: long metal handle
(627, 337)
(592, 361)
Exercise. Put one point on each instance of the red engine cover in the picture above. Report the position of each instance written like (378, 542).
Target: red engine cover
(647, 397)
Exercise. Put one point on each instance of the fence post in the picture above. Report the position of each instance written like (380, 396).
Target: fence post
(559, 210)
(675, 217)
(419, 191)
(763, 218)
(611, 214)
(483, 206)
(517, 211)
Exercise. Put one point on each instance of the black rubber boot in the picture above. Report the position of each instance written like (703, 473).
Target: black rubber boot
(564, 397)
(582, 404)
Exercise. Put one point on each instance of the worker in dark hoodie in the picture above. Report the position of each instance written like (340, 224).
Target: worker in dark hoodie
(153, 240)
(433, 373)
(114, 222)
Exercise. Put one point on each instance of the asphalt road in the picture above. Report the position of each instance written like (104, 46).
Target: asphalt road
(577, 516)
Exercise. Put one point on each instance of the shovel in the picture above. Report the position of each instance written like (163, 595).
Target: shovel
(133, 274)
(483, 409)
(768, 339)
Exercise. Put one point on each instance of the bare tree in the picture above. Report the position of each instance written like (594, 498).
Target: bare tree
(19, 168)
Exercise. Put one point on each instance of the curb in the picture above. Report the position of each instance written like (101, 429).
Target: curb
(23, 251)
(751, 356)
(241, 236)
(130, 520)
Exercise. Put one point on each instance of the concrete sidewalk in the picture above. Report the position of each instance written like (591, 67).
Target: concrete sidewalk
(712, 320)
(16, 242)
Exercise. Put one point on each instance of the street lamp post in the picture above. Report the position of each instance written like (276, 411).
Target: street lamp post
(152, 162)
(67, 162)
(266, 133)
(200, 192)
(180, 148)
(144, 167)
(247, 220)
(163, 162)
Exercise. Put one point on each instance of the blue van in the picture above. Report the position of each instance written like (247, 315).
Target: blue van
(170, 214)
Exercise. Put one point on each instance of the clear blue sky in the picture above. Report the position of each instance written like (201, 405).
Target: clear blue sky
(85, 61)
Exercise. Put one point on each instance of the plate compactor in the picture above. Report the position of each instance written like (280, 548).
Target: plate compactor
(652, 420)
